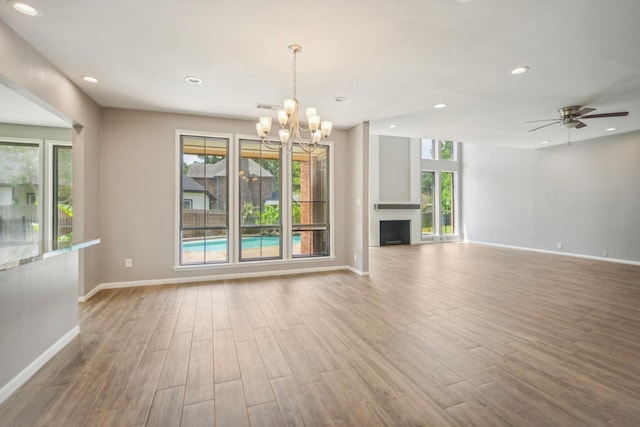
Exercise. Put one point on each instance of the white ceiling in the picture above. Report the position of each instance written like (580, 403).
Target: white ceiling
(392, 59)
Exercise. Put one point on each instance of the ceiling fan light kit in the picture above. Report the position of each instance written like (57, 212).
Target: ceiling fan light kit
(571, 117)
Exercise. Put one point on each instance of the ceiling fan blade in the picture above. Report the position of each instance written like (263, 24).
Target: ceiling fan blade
(583, 111)
(580, 125)
(597, 116)
(544, 126)
(543, 120)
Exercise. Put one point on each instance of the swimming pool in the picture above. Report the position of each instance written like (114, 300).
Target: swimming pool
(250, 242)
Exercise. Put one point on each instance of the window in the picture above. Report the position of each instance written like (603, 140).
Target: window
(62, 191)
(204, 225)
(20, 211)
(241, 202)
(427, 148)
(310, 202)
(27, 212)
(446, 150)
(259, 184)
(427, 185)
(447, 203)
(438, 185)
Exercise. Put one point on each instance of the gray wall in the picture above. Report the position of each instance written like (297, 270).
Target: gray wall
(40, 132)
(38, 306)
(25, 70)
(586, 196)
(394, 179)
(358, 201)
(138, 198)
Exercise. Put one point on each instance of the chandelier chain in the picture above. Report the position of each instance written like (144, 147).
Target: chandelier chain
(295, 55)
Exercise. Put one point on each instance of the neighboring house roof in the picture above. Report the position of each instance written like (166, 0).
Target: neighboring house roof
(189, 185)
(198, 170)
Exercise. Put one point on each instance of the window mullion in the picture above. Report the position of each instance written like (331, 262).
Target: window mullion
(286, 208)
(234, 202)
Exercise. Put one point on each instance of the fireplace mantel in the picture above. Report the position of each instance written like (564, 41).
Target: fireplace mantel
(380, 206)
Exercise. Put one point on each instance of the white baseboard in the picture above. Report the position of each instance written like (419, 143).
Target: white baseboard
(211, 278)
(356, 271)
(9, 388)
(569, 254)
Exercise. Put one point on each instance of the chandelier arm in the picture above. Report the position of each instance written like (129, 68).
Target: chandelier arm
(271, 145)
(308, 147)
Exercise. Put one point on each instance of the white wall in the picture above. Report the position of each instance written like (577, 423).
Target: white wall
(586, 196)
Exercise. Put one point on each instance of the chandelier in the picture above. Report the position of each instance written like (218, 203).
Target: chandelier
(291, 129)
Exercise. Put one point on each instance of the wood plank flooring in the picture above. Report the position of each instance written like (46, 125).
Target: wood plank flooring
(437, 335)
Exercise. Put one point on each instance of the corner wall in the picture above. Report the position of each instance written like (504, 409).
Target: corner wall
(585, 196)
(358, 198)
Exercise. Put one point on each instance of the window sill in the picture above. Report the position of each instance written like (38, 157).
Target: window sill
(234, 266)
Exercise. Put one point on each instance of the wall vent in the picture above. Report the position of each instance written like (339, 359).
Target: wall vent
(267, 107)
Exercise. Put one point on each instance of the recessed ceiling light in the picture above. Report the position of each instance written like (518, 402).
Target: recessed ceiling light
(519, 70)
(90, 79)
(544, 142)
(441, 105)
(193, 80)
(611, 129)
(341, 98)
(393, 126)
(24, 8)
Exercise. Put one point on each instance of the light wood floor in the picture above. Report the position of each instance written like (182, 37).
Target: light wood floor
(438, 335)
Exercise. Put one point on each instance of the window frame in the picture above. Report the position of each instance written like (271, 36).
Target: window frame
(46, 170)
(314, 226)
(234, 211)
(50, 145)
(241, 227)
(439, 166)
(179, 196)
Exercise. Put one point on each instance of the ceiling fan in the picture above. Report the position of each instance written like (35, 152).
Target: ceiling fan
(570, 117)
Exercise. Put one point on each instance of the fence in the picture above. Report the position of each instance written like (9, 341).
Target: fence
(203, 218)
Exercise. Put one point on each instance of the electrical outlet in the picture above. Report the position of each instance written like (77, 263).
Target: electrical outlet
(605, 253)
(355, 257)
(559, 245)
(128, 263)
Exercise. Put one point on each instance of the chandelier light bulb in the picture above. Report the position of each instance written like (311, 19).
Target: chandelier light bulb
(284, 135)
(326, 127)
(260, 131)
(314, 122)
(316, 137)
(289, 106)
(265, 123)
(311, 111)
(283, 118)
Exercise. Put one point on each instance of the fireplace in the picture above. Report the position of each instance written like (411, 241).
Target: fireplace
(395, 232)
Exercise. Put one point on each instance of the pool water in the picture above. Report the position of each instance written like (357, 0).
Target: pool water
(251, 242)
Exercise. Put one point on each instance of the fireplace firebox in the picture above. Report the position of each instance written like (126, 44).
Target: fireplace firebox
(396, 232)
